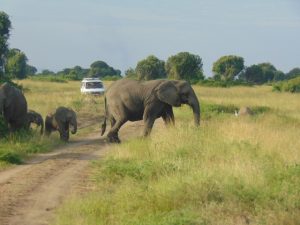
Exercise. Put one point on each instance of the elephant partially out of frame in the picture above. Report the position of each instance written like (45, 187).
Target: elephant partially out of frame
(13, 106)
(130, 100)
(60, 121)
(34, 117)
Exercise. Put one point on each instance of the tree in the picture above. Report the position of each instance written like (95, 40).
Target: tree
(5, 26)
(130, 73)
(47, 72)
(266, 73)
(293, 73)
(254, 74)
(75, 73)
(16, 64)
(102, 69)
(185, 66)
(150, 68)
(30, 70)
(279, 75)
(228, 67)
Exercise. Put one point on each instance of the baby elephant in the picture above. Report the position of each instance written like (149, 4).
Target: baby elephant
(60, 121)
(34, 117)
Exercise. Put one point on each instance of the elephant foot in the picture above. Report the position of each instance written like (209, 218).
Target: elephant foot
(64, 138)
(113, 139)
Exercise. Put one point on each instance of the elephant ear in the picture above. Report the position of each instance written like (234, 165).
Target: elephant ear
(167, 92)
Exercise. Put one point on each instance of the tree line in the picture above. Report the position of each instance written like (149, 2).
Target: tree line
(183, 65)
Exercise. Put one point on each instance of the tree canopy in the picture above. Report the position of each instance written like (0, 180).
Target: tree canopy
(30, 70)
(130, 73)
(262, 73)
(15, 66)
(102, 69)
(185, 66)
(295, 72)
(5, 26)
(150, 68)
(75, 73)
(228, 67)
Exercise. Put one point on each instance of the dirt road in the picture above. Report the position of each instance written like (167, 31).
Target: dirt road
(29, 193)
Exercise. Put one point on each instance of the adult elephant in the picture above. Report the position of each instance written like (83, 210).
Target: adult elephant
(60, 121)
(13, 106)
(34, 117)
(130, 100)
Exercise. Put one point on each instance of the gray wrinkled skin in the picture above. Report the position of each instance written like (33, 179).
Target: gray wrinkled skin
(130, 100)
(60, 121)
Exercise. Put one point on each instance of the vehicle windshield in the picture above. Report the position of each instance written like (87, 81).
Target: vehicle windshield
(92, 85)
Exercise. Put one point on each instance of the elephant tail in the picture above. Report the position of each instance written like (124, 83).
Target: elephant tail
(103, 127)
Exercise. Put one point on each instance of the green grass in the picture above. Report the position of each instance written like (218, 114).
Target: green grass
(16, 147)
(233, 170)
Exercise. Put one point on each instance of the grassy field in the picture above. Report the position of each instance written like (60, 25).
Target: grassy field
(44, 97)
(233, 170)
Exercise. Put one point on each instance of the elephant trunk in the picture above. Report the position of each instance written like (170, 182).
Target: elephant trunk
(74, 124)
(194, 103)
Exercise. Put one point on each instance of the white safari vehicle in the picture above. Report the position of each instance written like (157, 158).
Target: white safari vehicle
(92, 86)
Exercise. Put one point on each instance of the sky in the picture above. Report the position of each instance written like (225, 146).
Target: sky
(58, 34)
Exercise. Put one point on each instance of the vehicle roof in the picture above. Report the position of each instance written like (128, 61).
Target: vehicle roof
(91, 80)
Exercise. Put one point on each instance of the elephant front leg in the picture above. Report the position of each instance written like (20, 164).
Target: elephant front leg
(148, 126)
(64, 132)
(64, 135)
(148, 123)
(168, 116)
(150, 114)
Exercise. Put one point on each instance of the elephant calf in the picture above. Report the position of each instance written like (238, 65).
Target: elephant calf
(34, 117)
(60, 121)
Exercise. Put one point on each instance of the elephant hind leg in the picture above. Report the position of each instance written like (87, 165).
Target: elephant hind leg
(112, 135)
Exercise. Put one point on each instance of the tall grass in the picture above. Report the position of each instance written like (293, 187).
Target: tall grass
(233, 170)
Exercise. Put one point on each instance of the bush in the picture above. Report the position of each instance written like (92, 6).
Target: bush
(51, 78)
(112, 78)
(221, 83)
(292, 86)
(10, 157)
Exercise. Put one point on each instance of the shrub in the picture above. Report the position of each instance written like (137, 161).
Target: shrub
(51, 78)
(292, 86)
(221, 83)
(112, 78)
(10, 157)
